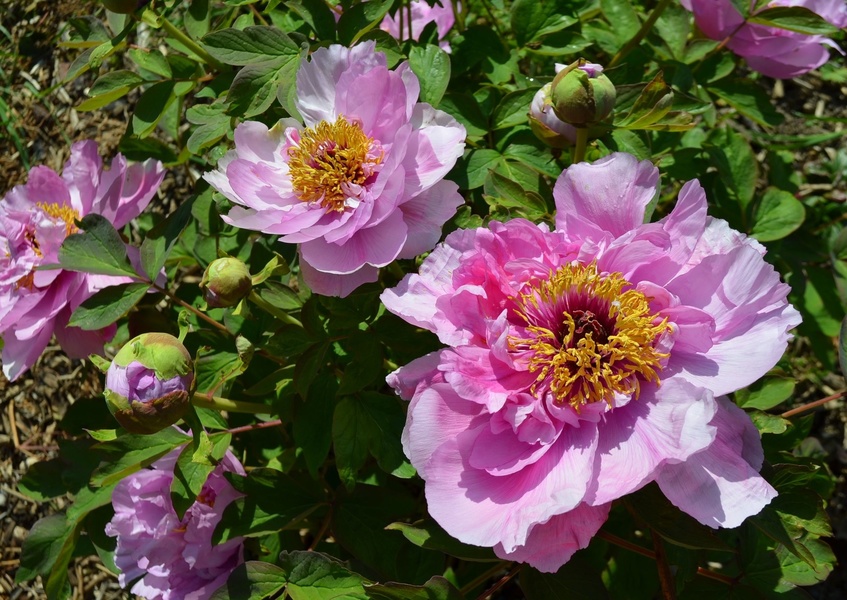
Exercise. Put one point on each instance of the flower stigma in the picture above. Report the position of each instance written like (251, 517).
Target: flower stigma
(586, 338)
(332, 162)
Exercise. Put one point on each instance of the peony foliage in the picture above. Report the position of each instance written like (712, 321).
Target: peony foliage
(399, 299)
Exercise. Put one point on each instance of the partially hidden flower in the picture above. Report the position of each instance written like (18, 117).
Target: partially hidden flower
(35, 218)
(774, 52)
(440, 13)
(585, 362)
(360, 183)
(226, 282)
(170, 558)
(148, 383)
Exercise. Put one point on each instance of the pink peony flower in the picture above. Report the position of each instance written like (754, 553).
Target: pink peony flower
(361, 183)
(173, 559)
(423, 14)
(586, 362)
(35, 219)
(778, 53)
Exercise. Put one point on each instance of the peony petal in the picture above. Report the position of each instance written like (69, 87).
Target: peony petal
(426, 214)
(720, 486)
(334, 284)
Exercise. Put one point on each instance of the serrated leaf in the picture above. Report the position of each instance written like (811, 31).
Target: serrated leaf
(107, 306)
(317, 14)
(360, 19)
(531, 19)
(736, 163)
(98, 249)
(250, 45)
(151, 60)
(748, 99)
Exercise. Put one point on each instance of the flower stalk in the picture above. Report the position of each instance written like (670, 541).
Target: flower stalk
(217, 403)
(642, 33)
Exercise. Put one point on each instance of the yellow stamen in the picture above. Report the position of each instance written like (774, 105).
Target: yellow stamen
(330, 157)
(62, 212)
(594, 356)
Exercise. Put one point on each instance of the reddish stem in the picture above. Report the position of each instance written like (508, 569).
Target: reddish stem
(503, 581)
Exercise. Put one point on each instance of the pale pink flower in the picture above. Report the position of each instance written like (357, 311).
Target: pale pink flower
(441, 13)
(35, 218)
(586, 362)
(774, 52)
(171, 558)
(361, 183)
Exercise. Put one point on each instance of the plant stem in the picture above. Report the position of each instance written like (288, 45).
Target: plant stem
(273, 310)
(217, 403)
(801, 409)
(580, 145)
(200, 314)
(186, 41)
(503, 581)
(617, 541)
(457, 15)
(642, 33)
(262, 425)
(665, 576)
(466, 589)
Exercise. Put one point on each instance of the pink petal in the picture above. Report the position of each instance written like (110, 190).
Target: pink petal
(720, 486)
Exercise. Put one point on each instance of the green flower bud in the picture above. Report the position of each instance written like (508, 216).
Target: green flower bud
(226, 281)
(581, 95)
(148, 383)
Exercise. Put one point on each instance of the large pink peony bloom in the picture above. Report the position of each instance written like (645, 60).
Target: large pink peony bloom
(35, 219)
(173, 559)
(773, 52)
(361, 184)
(422, 15)
(586, 362)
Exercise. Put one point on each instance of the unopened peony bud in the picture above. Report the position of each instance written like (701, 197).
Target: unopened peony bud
(148, 382)
(546, 125)
(225, 282)
(581, 95)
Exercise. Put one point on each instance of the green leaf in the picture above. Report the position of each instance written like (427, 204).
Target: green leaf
(313, 423)
(766, 393)
(151, 107)
(131, 452)
(432, 66)
(736, 163)
(624, 18)
(110, 87)
(273, 501)
(99, 249)
(436, 588)
(791, 517)
(503, 193)
(653, 103)
(465, 109)
(250, 45)
(213, 369)
(317, 576)
(513, 109)
(280, 296)
(42, 546)
(317, 15)
(778, 215)
(151, 60)
(360, 19)
(107, 306)
(277, 265)
(371, 423)
(429, 534)
(252, 580)
(577, 579)
(365, 367)
(160, 240)
(531, 19)
(748, 99)
(767, 423)
(257, 85)
(472, 169)
(794, 18)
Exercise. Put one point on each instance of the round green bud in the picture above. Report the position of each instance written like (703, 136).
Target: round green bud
(226, 281)
(581, 95)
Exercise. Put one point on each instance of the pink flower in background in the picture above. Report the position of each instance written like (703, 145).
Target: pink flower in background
(586, 362)
(422, 15)
(35, 219)
(778, 53)
(173, 559)
(360, 183)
